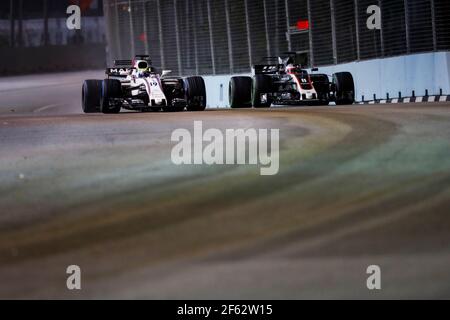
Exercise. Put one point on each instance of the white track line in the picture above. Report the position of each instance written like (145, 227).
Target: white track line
(46, 107)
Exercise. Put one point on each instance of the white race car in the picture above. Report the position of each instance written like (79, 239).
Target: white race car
(136, 85)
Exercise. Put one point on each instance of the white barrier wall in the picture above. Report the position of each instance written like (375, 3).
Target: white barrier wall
(404, 74)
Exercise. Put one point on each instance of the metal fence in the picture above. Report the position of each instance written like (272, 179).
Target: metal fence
(228, 36)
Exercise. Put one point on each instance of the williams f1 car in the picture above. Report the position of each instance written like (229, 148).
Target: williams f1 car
(137, 85)
(287, 83)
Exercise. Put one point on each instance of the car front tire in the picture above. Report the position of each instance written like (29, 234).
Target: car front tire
(261, 85)
(195, 89)
(345, 88)
(111, 89)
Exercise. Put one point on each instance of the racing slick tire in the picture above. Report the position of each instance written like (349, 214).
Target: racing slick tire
(91, 93)
(321, 84)
(195, 93)
(261, 84)
(111, 89)
(345, 88)
(240, 92)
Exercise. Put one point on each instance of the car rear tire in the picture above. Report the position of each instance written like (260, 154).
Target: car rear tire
(261, 84)
(345, 88)
(240, 92)
(111, 89)
(195, 93)
(90, 96)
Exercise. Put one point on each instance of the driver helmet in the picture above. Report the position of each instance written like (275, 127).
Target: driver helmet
(142, 68)
(291, 69)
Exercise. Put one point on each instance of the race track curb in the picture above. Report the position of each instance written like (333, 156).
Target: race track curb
(445, 98)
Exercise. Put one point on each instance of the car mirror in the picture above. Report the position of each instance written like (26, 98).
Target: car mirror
(166, 72)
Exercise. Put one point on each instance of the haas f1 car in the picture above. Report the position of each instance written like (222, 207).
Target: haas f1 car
(136, 85)
(287, 83)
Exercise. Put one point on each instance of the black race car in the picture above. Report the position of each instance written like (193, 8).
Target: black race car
(287, 83)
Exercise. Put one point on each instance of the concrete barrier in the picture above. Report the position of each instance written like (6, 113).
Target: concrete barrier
(51, 59)
(418, 73)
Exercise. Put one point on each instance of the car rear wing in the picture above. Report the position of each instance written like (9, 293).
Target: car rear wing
(118, 72)
(123, 63)
(267, 68)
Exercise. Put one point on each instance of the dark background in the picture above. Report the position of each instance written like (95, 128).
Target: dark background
(228, 36)
(34, 37)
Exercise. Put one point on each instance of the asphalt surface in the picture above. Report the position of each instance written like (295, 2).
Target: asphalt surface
(357, 186)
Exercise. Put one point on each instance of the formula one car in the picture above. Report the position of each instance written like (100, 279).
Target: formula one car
(286, 82)
(136, 85)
